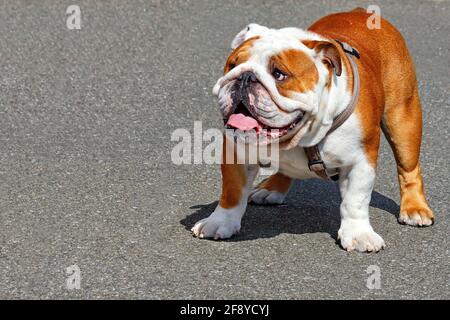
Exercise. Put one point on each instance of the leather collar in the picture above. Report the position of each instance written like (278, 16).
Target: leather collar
(315, 162)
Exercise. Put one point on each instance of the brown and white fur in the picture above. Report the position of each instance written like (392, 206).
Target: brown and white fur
(318, 86)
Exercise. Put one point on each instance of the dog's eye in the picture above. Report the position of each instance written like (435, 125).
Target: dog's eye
(279, 75)
(231, 66)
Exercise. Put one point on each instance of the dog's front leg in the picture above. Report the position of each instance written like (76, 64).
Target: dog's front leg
(237, 182)
(356, 185)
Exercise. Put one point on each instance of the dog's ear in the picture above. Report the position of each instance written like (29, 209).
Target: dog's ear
(251, 30)
(329, 52)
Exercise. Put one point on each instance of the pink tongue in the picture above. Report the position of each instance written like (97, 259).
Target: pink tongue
(243, 122)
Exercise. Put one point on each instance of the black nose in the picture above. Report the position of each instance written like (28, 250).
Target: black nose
(246, 78)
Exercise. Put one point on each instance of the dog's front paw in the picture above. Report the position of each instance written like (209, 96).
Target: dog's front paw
(219, 225)
(263, 196)
(359, 236)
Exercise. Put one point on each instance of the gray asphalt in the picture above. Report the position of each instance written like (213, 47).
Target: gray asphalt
(86, 176)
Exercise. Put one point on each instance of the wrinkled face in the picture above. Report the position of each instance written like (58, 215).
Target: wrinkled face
(271, 81)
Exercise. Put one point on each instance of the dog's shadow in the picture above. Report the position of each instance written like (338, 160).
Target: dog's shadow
(312, 206)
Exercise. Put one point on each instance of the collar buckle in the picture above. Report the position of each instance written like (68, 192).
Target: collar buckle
(316, 165)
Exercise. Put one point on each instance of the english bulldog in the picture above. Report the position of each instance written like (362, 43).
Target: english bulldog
(292, 87)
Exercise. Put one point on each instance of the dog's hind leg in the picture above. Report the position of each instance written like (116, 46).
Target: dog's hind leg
(272, 190)
(402, 126)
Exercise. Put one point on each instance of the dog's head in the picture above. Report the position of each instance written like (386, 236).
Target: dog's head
(275, 81)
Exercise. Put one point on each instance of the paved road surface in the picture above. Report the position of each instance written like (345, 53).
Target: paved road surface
(86, 176)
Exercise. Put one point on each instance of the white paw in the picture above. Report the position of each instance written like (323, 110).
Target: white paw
(219, 225)
(264, 196)
(357, 235)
